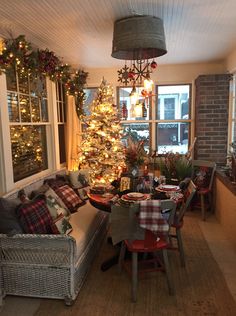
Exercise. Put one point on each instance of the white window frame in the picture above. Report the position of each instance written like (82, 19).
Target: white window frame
(153, 121)
(7, 183)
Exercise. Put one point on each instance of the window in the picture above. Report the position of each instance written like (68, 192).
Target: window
(166, 117)
(28, 120)
(61, 119)
(173, 118)
(90, 95)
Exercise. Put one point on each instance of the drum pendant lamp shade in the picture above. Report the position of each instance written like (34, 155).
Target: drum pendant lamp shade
(138, 38)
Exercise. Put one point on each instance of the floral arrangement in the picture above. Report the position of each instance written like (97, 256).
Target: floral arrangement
(135, 153)
(17, 54)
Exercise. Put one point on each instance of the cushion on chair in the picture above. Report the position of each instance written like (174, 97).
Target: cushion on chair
(35, 218)
(202, 176)
(69, 197)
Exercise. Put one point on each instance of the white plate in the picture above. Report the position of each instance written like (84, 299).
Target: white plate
(168, 187)
(135, 195)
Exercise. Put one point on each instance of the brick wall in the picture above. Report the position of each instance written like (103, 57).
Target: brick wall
(211, 114)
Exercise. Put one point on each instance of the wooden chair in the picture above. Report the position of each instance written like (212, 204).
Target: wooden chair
(147, 243)
(178, 221)
(203, 175)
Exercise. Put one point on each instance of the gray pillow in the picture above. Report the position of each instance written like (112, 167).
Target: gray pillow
(9, 223)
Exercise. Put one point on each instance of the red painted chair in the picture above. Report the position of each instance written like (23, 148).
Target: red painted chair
(203, 175)
(148, 244)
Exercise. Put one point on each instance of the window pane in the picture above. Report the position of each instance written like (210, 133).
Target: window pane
(173, 102)
(35, 110)
(137, 131)
(61, 133)
(172, 137)
(169, 109)
(29, 151)
(90, 95)
(135, 109)
(11, 79)
(44, 109)
(25, 108)
(38, 87)
(23, 84)
(13, 107)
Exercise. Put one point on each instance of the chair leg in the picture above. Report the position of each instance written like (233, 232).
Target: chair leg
(134, 276)
(122, 255)
(203, 207)
(180, 247)
(167, 269)
(210, 201)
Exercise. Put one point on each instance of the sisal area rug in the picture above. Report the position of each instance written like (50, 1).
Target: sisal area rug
(200, 288)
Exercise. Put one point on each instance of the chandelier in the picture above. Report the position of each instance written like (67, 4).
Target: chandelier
(138, 39)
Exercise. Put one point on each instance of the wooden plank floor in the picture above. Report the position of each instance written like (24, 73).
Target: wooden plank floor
(200, 287)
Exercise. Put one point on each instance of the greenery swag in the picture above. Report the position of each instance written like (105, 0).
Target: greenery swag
(17, 54)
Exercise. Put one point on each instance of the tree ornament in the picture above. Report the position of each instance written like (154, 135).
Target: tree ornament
(153, 64)
(131, 75)
(144, 93)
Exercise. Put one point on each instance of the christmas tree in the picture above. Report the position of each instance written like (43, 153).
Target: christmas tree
(101, 148)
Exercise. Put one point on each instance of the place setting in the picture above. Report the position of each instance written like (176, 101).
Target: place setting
(133, 197)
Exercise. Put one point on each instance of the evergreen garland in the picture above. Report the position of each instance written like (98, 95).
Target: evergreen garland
(17, 54)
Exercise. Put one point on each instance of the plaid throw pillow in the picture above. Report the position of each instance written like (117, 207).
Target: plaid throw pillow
(35, 218)
(69, 197)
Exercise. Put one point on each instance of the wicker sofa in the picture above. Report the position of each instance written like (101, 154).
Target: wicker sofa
(51, 266)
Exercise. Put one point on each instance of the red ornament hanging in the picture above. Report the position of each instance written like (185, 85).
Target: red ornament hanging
(131, 75)
(153, 64)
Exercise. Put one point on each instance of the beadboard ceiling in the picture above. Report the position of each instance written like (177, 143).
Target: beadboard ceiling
(81, 31)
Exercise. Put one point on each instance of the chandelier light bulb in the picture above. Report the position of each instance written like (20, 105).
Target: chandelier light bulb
(148, 84)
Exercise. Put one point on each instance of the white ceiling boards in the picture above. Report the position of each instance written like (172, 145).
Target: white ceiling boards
(81, 31)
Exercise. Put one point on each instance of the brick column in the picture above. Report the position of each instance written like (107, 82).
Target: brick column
(211, 117)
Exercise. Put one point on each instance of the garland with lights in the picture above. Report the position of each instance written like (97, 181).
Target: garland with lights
(17, 54)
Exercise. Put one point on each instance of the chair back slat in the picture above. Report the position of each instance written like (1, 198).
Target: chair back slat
(188, 196)
(125, 225)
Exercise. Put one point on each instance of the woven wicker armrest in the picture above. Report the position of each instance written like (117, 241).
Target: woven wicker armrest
(37, 249)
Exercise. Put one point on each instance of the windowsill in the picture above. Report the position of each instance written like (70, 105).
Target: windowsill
(226, 181)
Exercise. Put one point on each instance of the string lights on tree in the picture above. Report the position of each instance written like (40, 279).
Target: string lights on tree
(101, 149)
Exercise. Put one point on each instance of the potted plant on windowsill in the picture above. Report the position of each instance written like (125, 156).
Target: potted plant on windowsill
(174, 167)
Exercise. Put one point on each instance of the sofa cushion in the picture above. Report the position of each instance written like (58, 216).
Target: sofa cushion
(35, 218)
(79, 178)
(41, 190)
(53, 196)
(55, 208)
(63, 225)
(9, 223)
(69, 197)
(86, 222)
(83, 193)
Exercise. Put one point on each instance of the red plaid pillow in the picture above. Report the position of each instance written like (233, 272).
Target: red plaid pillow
(36, 219)
(69, 197)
